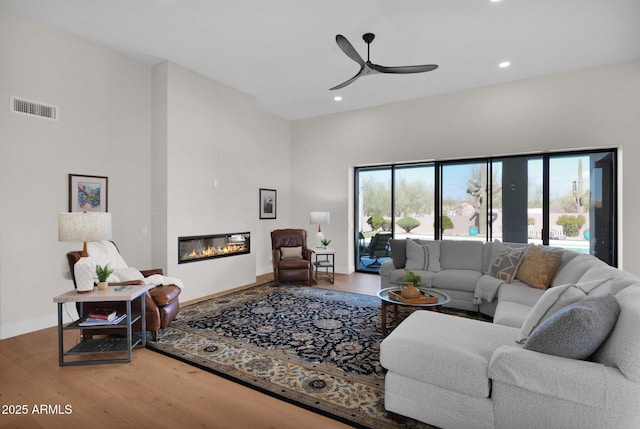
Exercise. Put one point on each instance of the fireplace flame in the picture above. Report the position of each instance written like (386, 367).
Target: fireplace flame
(214, 251)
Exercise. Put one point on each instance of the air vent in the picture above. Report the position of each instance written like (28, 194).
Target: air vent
(34, 108)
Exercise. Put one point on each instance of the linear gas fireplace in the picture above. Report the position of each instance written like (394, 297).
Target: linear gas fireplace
(201, 247)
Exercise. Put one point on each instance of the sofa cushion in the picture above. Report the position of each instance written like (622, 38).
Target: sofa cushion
(294, 264)
(505, 264)
(619, 279)
(511, 314)
(572, 269)
(599, 286)
(461, 255)
(551, 301)
(576, 331)
(539, 266)
(622, 348)
(446, 351)
(463, 280)
(520, 293)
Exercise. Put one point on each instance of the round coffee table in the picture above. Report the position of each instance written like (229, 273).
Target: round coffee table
(387, 300)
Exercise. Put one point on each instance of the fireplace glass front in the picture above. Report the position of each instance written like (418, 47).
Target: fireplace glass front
(201, 247)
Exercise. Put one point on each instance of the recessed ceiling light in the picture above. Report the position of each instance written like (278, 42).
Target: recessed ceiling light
(504, 64)
(337, 98)
(495, 1)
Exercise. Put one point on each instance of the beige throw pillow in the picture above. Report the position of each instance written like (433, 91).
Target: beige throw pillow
(539, 266)
(291, 252)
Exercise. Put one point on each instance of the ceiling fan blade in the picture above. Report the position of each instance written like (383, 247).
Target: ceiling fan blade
(404, 69)
(348, 82)
(348, 49)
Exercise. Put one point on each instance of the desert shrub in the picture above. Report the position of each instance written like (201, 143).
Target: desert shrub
(571, 224)
(376, 221)
(408, 223)
(447, 223)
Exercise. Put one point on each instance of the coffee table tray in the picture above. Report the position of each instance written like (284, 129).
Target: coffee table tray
(424, 298)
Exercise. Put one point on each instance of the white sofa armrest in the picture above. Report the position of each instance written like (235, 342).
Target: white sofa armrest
(386, 268)
(573, 380)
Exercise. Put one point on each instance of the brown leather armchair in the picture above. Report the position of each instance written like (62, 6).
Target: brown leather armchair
(291, 257)
(161, 302)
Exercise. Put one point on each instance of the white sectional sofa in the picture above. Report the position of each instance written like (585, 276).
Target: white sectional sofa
(566, 355)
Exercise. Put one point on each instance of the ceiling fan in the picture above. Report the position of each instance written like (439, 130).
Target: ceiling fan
(367, 68)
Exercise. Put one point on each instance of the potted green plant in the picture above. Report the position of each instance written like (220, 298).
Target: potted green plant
(325, 243)
(410, 282)
(103, 274)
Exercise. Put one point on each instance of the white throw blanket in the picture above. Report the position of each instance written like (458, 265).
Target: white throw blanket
(105, 252)
(158, 279)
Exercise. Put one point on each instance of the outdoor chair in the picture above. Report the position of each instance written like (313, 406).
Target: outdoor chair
(378, 248)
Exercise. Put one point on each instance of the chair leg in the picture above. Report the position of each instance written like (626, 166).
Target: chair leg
(154, 335)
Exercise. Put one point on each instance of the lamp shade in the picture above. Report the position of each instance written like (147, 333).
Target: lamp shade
(82, 227)
(320, 218)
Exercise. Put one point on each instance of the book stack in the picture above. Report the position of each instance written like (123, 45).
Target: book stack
(103, 316)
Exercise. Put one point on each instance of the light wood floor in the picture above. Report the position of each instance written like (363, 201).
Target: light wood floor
(151, 391)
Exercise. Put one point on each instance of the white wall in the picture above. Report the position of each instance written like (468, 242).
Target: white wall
(273, 171)
(595, 108)
(103, 129)
(211, 159)
(161, 172)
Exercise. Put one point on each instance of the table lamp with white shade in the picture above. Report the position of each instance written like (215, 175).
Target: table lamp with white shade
(83, 227)
(320, 218)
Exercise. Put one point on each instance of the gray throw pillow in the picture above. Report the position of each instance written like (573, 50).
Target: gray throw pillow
(577, 330)
(398, 252)
(506, 263)
(417, 256)
(434, 254)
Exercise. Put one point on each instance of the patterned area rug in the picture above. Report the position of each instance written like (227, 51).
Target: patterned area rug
(313, 347)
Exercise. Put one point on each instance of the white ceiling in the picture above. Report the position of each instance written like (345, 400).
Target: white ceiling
(283, 52)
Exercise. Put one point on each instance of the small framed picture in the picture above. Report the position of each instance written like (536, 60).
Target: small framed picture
(88, 193)
(268, 203)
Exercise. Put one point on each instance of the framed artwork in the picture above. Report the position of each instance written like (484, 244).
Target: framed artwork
(88, 193)
(268, 202)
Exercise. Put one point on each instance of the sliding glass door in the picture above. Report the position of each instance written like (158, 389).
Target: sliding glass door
(562, 199)
(373, 217)
(414, 201)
